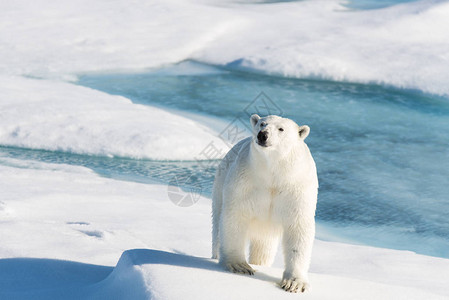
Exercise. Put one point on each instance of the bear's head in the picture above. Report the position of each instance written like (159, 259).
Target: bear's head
(277, 133)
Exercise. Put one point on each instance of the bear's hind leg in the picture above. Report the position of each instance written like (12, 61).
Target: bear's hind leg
(216, 215)
(217, 203)
(263, 246)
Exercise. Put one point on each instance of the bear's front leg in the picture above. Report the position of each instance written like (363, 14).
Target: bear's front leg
(233, 233)
(297, 244)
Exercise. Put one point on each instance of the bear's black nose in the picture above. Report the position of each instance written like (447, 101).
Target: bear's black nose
(262, 137)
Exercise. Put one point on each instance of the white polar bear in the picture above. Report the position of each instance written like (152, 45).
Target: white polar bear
(266, 188)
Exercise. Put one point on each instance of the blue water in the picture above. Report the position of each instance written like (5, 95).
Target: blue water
(354, 4)
(373, 4)
(382, 153)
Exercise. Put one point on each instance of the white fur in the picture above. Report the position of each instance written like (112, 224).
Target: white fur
(264, 194)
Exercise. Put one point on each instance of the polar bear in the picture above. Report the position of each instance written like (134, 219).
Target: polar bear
(265, 190)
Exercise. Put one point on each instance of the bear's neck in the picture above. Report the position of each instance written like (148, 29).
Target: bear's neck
(273, 161)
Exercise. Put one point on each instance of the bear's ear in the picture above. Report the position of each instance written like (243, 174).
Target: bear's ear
(254, 119)
(304, 131)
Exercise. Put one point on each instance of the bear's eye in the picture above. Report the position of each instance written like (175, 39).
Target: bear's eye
(281, 129)
(263, 124)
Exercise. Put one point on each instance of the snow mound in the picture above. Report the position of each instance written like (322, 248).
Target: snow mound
(176, 276)
(153, 274)
(57, 116)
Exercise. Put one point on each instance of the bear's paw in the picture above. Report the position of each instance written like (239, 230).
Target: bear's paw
(294, 285)
(242, 268)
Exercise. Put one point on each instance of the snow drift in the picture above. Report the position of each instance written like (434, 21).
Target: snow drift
(58, 116)
(153, 274)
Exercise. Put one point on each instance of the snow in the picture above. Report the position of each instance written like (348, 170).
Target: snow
(58, 116)
(405, 45)
(56, 244)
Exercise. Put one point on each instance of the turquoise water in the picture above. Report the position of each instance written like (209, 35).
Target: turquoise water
(382, 153)
(373, 4)
(355, 4)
